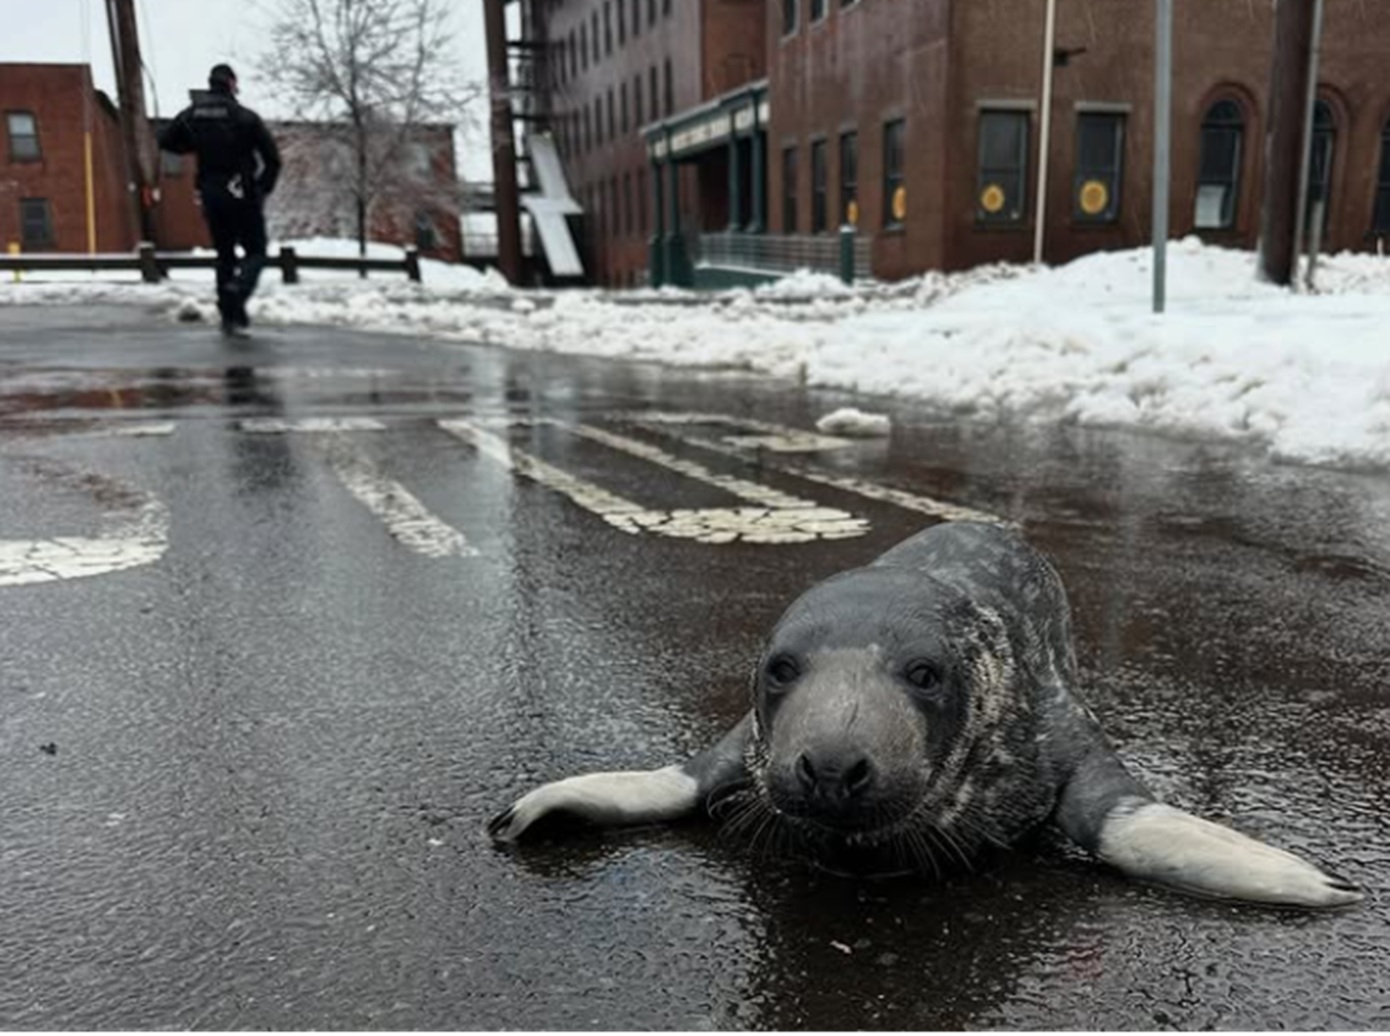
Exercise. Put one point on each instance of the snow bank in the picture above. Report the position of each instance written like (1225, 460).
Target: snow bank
(1305, 376)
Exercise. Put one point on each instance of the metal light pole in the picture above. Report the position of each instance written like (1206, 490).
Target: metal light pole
(1045, 129)
(1163, 147)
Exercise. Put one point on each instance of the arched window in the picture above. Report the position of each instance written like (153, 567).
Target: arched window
(1218, 175)
(1381, 223)
(1320, 162)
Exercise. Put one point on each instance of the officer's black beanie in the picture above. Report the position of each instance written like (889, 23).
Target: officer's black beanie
(221, 76)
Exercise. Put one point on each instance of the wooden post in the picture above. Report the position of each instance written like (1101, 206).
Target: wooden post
(135, 126)
(503, 143)
(289, 264)
(149, 265)
(412, 263)
(1288, 93)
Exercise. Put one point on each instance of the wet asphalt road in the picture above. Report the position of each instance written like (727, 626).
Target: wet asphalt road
(243, 784)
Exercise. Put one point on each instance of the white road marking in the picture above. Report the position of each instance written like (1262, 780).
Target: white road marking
(128, 541)
(668, 424)
(777, 517)
(310, 425)
(407, 519)
(792, 442)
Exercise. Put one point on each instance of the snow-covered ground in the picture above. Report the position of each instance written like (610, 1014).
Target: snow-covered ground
(1305, 376)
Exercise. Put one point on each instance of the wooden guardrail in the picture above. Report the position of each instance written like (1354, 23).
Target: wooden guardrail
(154, 266)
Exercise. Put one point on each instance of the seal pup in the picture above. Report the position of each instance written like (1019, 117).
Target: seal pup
(929, 700)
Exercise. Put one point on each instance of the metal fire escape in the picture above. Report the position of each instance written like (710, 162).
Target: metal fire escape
(542, 185)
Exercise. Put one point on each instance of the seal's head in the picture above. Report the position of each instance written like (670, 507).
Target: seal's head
(872, 694)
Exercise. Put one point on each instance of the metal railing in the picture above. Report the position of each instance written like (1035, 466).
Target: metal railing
(154, 266)
(779, 253)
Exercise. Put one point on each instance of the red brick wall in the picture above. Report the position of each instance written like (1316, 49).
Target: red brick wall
(733, 44)
(713, 46)
(55, 95)
(856, 69)
(936, 61)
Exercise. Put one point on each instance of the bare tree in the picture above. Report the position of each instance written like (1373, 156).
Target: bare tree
(366, 79)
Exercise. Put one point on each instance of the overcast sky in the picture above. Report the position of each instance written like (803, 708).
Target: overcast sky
(181, 39)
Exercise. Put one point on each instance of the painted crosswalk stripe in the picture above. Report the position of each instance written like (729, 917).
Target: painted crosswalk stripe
(775, 517)
(408, 520)
(309, 425)
(133, 536)
(733, 446)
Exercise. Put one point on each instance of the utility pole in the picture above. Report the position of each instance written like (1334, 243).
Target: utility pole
(1045, 130)
(1163, 147)
(1305, 166)
(1285, 152)
(135, 127)
(503, 143)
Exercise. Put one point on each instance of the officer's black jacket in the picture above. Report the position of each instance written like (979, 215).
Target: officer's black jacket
(227, 139)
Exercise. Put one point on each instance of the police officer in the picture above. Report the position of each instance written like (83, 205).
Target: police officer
(238, 165)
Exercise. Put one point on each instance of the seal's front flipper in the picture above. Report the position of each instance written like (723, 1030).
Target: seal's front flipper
(1105, 810)
(631, 796)
(1154, 842)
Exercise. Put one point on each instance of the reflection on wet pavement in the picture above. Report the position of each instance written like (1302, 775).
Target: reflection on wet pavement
(275, 747)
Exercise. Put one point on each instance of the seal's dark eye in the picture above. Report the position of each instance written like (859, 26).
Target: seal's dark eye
(782, 670)
(922, 675)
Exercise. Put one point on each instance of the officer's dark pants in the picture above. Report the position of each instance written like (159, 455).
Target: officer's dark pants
(235, 221)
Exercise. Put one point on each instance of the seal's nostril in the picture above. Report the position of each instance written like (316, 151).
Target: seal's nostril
(858, 777)
(806, 772)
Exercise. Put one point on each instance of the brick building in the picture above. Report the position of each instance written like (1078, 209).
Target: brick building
(919, 123)
(46, 115)
(613, 67)
(47, 109)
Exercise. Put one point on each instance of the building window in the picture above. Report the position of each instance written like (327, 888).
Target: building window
(573, 54)
(583, 47)
(651, 12)
(637, 99)
(670, 89)
(612, 118)
(643, 200)
(636, 17)
(593, 35)
(1100, 150)
(24, 136)
(819, 187)
(598, 121)
(628, 223)
(586, 138)
(849, 178)
(1218, 172)
(622, 23)
(894, 189)
(789, 190)
(426, 233)
(1320, 171)
(817, 10)
(1381, 223)
(652, 95)
(607, 27)
(789, 16)
(666, 7)
(35, 223)
(1001, 194)
(623, 110)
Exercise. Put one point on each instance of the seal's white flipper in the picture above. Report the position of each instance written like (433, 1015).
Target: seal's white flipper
(632, 796)
(609, 799)
(1155, 842)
